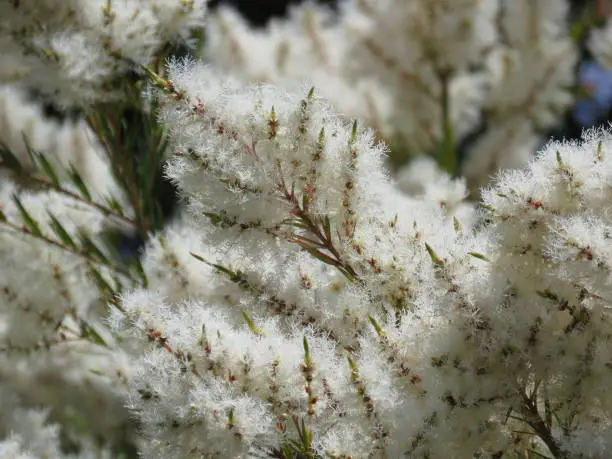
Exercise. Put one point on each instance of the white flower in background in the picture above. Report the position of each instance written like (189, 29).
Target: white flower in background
(422, 178)
(87, 46)
(519, 104)
(26, 433)
(63, 144)
(81, 385)
(422, 73)
(310, 46)
(53, 284)
(55, 350)
(599, 44)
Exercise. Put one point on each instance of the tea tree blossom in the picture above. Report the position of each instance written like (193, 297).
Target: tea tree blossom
(304, 301)
(424, 74)
(31, 436)
(284, 340)
(86, 47)
(23, 127)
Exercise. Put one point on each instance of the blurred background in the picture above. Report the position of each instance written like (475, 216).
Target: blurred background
(578, 97)
(592, 109)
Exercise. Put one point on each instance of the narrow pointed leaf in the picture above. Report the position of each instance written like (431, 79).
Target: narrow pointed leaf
(114, 204)
(48, 169)
(379, 331)
(90, 247)
(327, 229)
(60, 231)
(457, 224)
(90, 333)
(9, 160)
(434, 256)
(29, 149)
(28, 220)
(252, 326)
(320, 256)
(141, 272)
(480, 256)
(76, 178)
(103, 286)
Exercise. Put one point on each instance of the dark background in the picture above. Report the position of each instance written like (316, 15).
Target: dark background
(260, 11)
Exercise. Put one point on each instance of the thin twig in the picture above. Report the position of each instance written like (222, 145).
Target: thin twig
(107, 211)
(24, 230)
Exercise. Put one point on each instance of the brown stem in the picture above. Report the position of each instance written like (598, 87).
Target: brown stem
(48, 240)
(107, 211)
(529, 411)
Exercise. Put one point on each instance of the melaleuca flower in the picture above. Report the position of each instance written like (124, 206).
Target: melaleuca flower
(75, 51)
(306, 265)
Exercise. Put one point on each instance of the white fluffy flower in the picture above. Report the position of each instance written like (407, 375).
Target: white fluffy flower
(74, 50)
(62, 144)
(43, 283)
(26, 433)
(324, 304)
(307, 266)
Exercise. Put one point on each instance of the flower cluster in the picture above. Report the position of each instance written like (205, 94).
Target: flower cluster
(302, 302)
(30, 436)
(23, 129)
(300, 280)
(422, 73)
(80, 50)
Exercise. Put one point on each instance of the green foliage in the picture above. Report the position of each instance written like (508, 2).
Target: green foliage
(136, 145)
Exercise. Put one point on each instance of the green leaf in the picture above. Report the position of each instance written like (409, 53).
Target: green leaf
(215, 219)
(486, 207)
(252, 326)
(200, 258)
(118, 284)
(434, 256)
(559, 160)
(548, 295)
(457, 224)
(321, 256)
(237, 277)
(480, 256)
(141, 272)
(599, 152)
(29, 149)
(327, 228)
(353, 366)
(90, 333)
(379, 331)
(353, 137)
(296, 223)
(91, 248)
(114, 204)
(103, 286)
(28, 220)
(321, 139)
(307, 242)
(60, 231)
(47, 168)
(307, 356)
(76, 178)
(9, 160)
